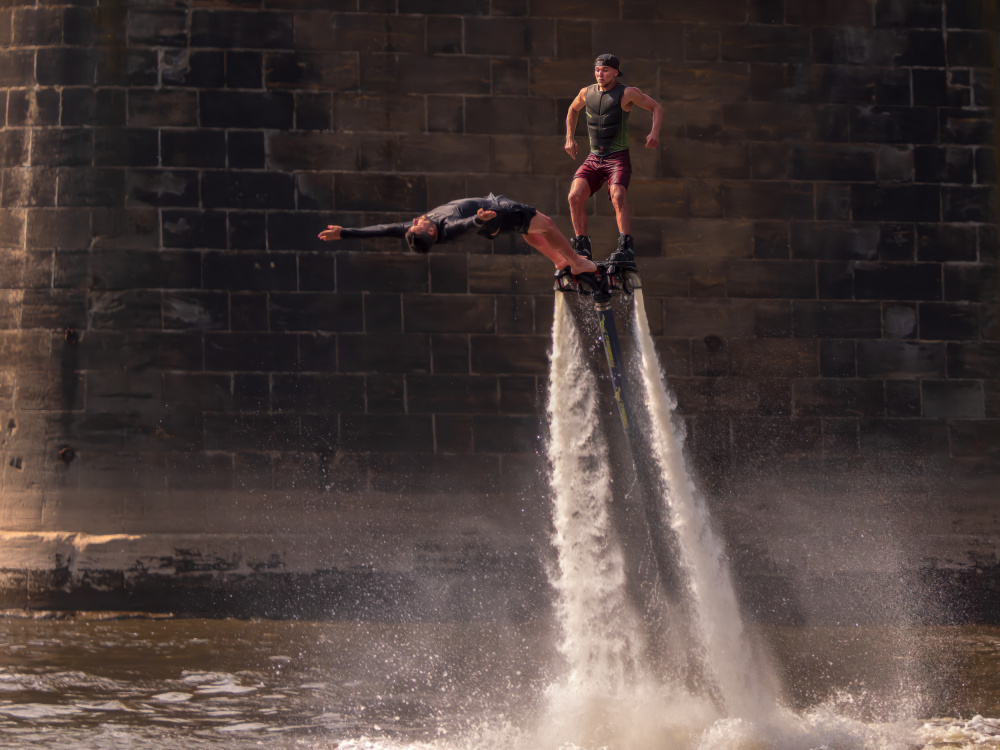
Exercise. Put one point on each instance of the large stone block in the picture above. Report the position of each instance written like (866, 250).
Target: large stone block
(974, 360)
(836, 319)
(688, 158)
(900, 359)
(506, 434)
(969, 203)
(248, 312)
(315, 311)
(823, 241)
(380, 192)
(838, 397)
(509, 354)
(247, 190)
(852, 13)
(364, 32)
(509, 275)
(500, 115)
(452, 394)
(971, 281)
(704, 82)
(449, 313)
(896, 202)
(770, 200)
(443, 75)
(228, 29)
(318, 393)
(441, 474)
(952, 399)
(974, 437)
(439, 152)
(946, 242)
(254, 352)
(781, 358)
(203, 311)
(387, 433)
(320, 71)
(366, 113)
(194, 229)
(967, 126)
(154, 108)
(510, 37)
(917, 125)
(950, 321)
(312, 150)
(243, 109)
(647, 40)
(53, 308)
(382, 353)
(158, 28)
(702, 238)
(162, 187)
(772, 279)
(898, 281)
(767, 439)
(450, 353)
(766, 43)
(58, 229)
(125, 310)
(229, 432)
(758, 121)
(907, 13)
(193, 148)
(731, 396)
(830, 162)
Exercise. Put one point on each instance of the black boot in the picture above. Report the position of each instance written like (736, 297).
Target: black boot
(623, 257)
(581, 246)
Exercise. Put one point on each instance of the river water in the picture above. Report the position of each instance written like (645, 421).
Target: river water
(644, 648)
(184, 683)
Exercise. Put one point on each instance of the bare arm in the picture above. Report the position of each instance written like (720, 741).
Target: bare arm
(634, 96)
(571, 117)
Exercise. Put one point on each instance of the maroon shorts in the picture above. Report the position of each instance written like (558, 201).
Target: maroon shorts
(615, 169)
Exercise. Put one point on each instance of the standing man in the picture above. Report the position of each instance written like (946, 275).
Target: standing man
(608, 103)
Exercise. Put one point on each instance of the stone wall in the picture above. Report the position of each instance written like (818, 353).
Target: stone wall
(180, 355)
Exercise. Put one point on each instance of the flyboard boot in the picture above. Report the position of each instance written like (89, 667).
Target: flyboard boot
(623, 258)
(581, 246)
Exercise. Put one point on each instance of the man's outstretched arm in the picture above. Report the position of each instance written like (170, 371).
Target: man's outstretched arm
(635, 96)
(334, 232)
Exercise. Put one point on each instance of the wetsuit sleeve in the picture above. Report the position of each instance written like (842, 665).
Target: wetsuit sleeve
(378, 230)
(461, 227)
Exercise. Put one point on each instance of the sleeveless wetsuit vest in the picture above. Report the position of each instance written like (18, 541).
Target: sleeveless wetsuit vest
(607, 122)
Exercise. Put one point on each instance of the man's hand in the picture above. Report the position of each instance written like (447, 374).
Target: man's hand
(652, 140)
(332, 232)
(484, 215)
(570, 147)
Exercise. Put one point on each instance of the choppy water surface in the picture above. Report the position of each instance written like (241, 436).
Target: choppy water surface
(221, 683)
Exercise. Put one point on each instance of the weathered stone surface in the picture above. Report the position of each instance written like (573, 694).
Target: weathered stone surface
(816, 234)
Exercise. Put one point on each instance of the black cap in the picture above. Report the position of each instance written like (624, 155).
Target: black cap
(611, 61)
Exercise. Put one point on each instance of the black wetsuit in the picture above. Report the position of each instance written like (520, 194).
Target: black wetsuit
(456, 219)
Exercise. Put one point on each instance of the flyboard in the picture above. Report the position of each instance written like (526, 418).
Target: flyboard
(613, 280)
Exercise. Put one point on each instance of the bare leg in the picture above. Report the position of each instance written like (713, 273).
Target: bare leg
(622, 212)
(544, 236)
(579, 191)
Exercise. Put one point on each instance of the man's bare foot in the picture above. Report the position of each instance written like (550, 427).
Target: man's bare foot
(582, 265)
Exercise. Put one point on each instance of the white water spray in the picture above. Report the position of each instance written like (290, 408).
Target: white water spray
(602, 640)
(745, 684)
